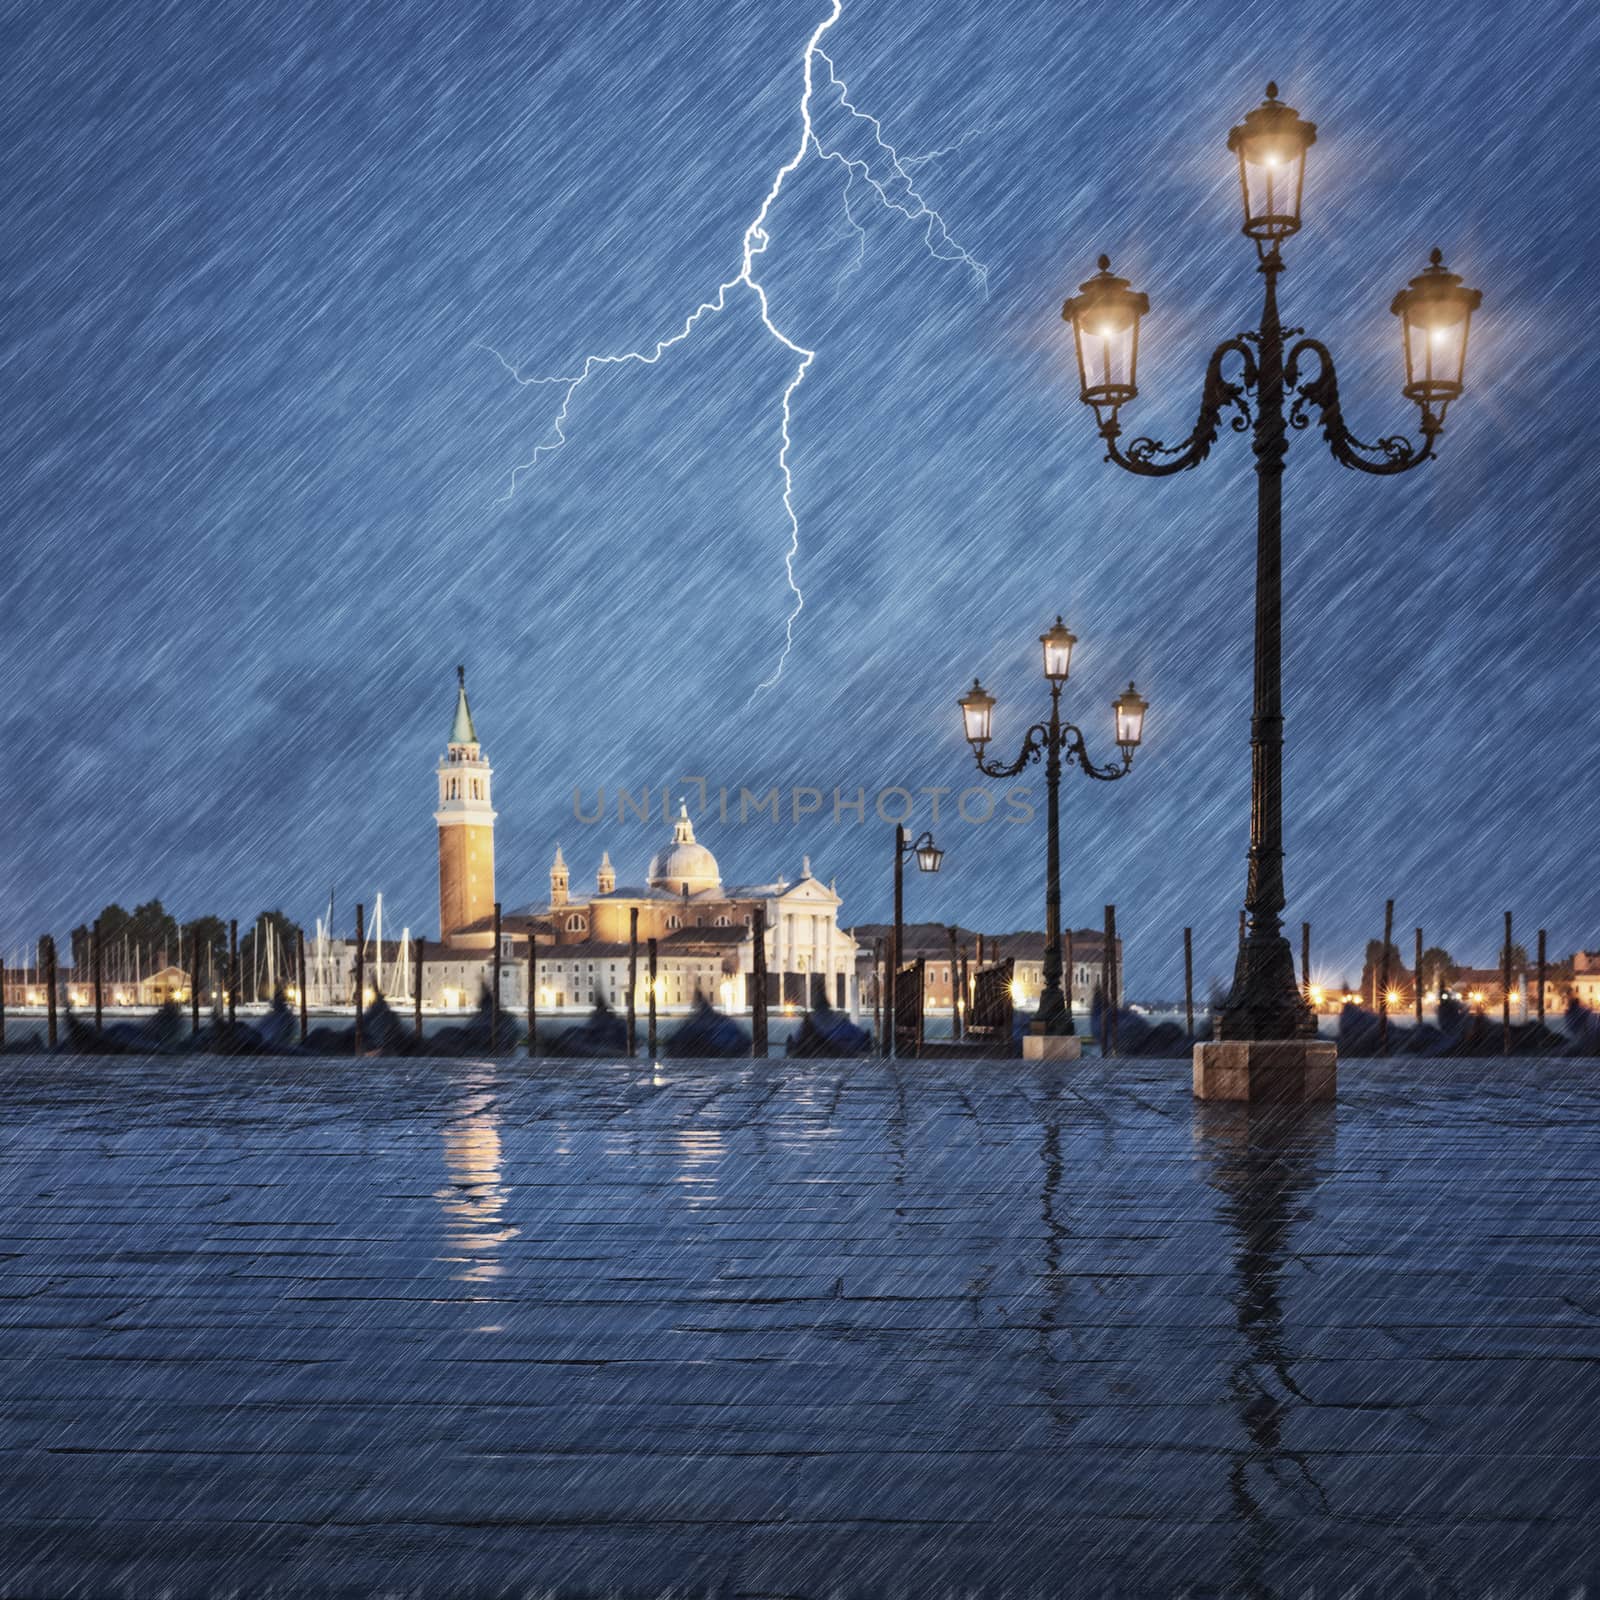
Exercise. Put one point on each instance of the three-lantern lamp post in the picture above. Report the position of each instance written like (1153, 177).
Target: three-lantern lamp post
(1058, 744)
(929, 859)
(1280, 379)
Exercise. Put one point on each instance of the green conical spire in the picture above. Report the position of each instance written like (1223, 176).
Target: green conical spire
(461, 730)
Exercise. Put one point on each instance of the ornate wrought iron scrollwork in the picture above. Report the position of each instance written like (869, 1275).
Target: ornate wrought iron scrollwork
(1034, 744)
(1391, 454)
(1076, 750)
(1147, 456)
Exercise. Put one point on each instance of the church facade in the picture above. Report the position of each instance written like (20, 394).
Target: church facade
(704, 929)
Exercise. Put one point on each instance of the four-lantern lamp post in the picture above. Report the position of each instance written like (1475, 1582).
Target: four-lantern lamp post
(1058, 743)
(929, 859)
(1274, 367)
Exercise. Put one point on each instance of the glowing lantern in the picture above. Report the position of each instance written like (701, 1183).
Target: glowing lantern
(1105, 316)
(1271, 144)
(1435, 314)
(1129, 708)
(977, 712)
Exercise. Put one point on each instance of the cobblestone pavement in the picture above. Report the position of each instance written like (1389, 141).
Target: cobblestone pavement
(790, 1329)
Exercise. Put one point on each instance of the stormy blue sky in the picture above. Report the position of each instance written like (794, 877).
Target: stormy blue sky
(254, 446)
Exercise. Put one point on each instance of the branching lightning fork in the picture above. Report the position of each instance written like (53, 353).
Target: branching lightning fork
(896, 190)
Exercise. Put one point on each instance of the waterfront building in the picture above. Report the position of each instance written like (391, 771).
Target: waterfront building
(704, 929)
(931, 942)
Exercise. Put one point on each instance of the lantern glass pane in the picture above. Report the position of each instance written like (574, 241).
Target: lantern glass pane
(1057, 641)
(977, 709)
(1107, 350)
(1273, 169)
(1436, 349)
(1130, 709)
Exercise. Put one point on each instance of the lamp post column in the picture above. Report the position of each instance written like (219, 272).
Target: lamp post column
(1054, 1015)
(894, 941)
(1266, 1002)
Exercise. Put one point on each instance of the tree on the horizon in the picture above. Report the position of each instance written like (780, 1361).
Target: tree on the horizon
(1438, 969)
(130, 941)
(1372, 969)
(1519, 959)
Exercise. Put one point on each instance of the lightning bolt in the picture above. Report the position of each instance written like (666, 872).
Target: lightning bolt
(897, 191)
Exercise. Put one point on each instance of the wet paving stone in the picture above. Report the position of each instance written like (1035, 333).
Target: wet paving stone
(795, 1329)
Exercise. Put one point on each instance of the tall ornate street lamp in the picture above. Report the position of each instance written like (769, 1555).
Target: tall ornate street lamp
(1275, 367)
(929, 859)
(1052, 1034)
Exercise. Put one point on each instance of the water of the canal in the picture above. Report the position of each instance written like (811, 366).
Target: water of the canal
(777, 1328)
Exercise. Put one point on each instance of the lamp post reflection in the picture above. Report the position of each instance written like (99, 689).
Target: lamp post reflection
(474, 1201)
(1265, 1162)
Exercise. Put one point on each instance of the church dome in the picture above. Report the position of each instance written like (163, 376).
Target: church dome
(684, 864)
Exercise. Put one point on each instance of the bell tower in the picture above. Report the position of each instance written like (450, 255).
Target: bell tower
(466, 824)
(559, 879)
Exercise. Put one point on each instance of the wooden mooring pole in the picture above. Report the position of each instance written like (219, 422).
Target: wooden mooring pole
(1188, 980)
(1417, 976)
(47, 946)
(758, 977)
(1541, 977)
(955, 982)
(300, 983)
(361, 968)
(533, 993)
(419, 956)
(1383, 979)
(494, 987)
(1109, 981)
(651, 960)
(1505, 991)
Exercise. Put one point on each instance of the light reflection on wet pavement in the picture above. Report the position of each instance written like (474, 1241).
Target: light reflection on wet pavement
(796, 1329)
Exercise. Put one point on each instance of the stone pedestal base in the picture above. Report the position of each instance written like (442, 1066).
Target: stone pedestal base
(1051, 1047)
(1282, 1070)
